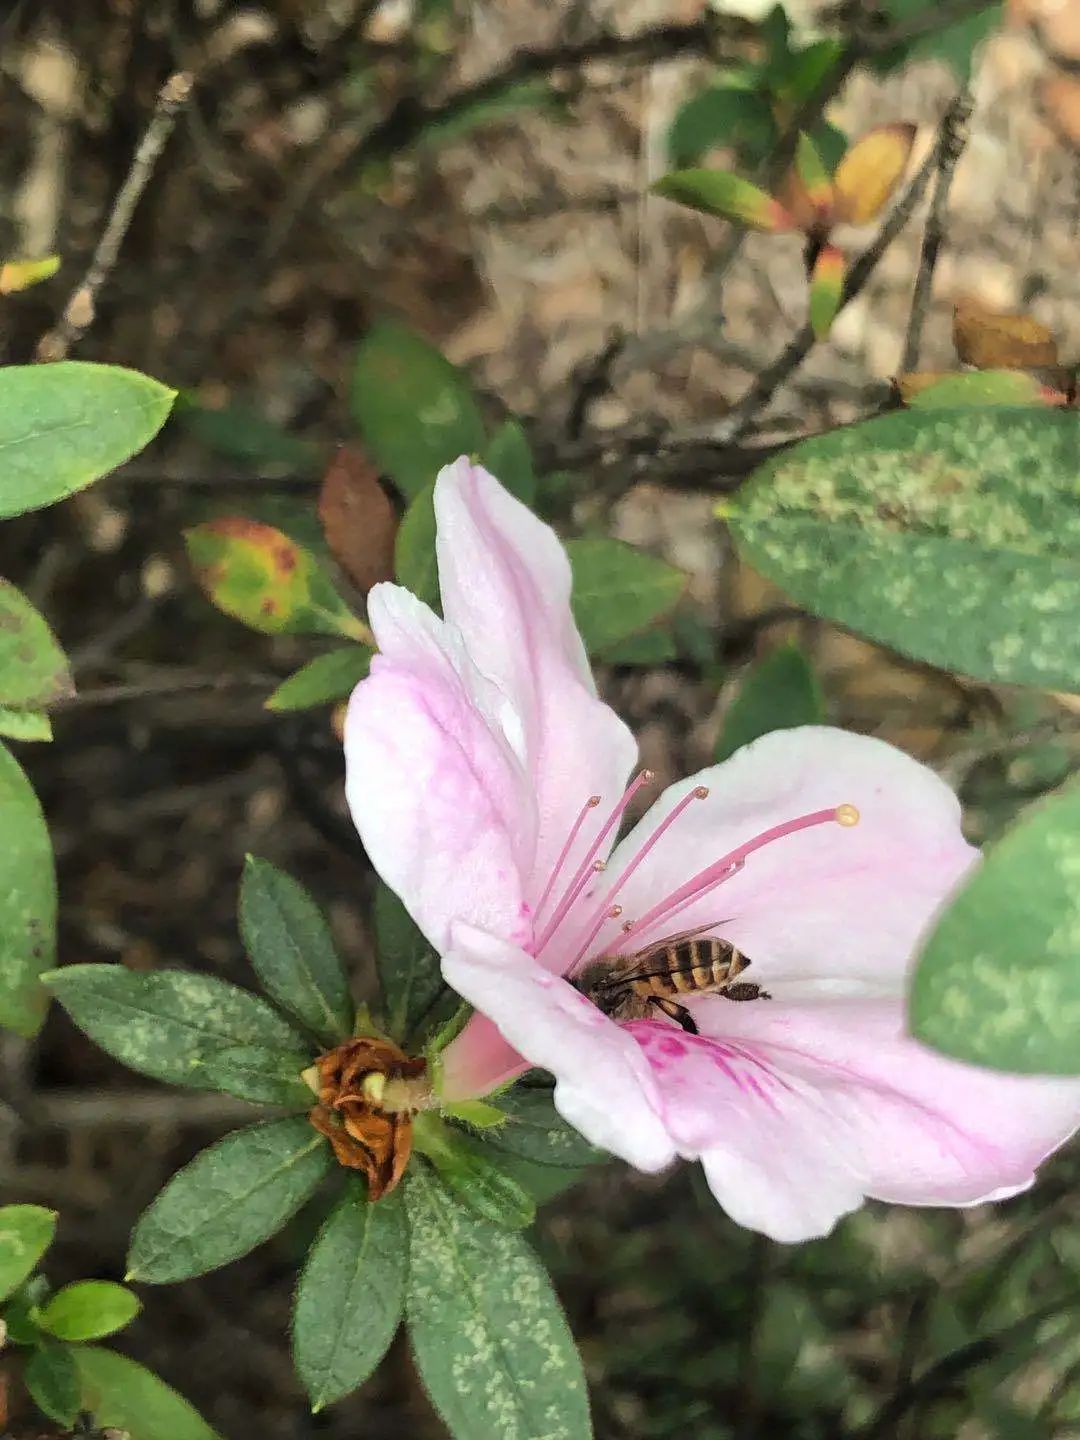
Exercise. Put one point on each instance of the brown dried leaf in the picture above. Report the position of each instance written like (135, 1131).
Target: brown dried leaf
(990, 339)
(358, 518)
(870, 171)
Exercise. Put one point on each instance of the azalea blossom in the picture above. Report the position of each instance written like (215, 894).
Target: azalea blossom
(489, 783)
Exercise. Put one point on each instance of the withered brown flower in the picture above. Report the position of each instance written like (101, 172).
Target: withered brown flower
(368, 1092)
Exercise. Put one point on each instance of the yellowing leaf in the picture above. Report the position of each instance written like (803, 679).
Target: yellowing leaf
(826, 289)
(260, 577)
(719, 192)
(21, 274)
(992, 339)
(870, 171)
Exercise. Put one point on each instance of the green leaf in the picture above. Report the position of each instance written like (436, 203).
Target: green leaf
(720, 193)
(25, 724)
(64, 425)
(998, 982)
(27, 901)
(980, 387)
(503, 103)
(240, 433)
(89, 1310)
(351, 1295)
(725, 114)
(26, 1232)
(535, 1131)
(415, 410)
(476, 1174)
(649, 647)
(324, 680)
(414, 549)
(796, 74)
(954, 44)
(268, 1077)
(618, 590)
(259, 576)
(122, 1394)
(408, 966)
(33, 669)
(509, 459)
(168, 1023)
(951, 535)
(491, 1343)
(778, 693)
(229, 1199)
(292, 951)
(53, 1383)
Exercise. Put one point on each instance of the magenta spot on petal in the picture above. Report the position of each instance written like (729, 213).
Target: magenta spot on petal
(669, 1045)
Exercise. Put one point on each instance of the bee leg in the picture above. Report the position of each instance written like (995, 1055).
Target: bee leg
(745, 990)
(676, 1012)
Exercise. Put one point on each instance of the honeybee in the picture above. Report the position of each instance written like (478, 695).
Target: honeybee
(636, 985)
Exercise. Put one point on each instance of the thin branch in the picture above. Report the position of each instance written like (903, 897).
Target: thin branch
(939, 1378)
(410, 118)
(952, 147)
(742, 416)
(165, 688)
(79, 312)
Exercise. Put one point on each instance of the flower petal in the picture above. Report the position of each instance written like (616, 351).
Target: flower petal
(505, 584)
(832, 903)
(800, 1111)
(603, 1085)
(441, 802)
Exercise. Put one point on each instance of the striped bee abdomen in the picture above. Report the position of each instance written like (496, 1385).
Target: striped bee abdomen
(690, 967)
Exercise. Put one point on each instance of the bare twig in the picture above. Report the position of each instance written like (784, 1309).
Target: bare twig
(943, 1374)
(949, 151)
(742, 416)
(165, 688)
(79, 312)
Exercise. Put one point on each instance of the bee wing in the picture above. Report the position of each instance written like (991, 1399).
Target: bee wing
(643, 956)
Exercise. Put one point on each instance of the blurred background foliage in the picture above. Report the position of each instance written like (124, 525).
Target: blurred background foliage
(478, 173)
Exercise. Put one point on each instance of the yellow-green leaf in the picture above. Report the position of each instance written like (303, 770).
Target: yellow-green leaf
(261, 577)
(981, 387)
(18, 275)
(826, 289)
(719, 192)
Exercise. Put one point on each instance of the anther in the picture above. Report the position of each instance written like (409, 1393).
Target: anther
(593, 801)
(702, 792)
(615, 912)
(847, 815)
(373, 1087)
(599, 865)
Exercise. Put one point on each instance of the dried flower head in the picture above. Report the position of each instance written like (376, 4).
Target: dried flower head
(368, 1092)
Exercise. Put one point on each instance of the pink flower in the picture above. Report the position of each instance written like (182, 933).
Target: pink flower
(487, 781)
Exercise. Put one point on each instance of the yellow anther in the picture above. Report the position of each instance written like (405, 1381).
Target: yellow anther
(374, 1087)
(847, 815)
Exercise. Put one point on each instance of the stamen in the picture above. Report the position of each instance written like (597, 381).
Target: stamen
(587, 867)
(722, 869)
(700, 792)
(611, 913)
(590, 804)
(636, 926)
